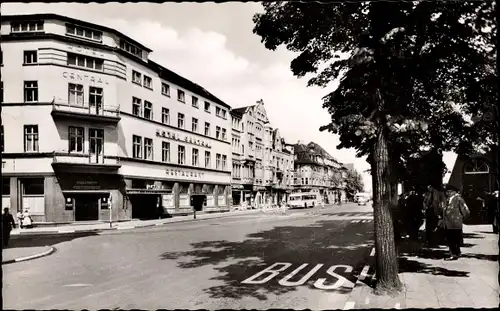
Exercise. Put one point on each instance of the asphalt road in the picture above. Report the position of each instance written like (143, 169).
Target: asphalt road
(306, 259)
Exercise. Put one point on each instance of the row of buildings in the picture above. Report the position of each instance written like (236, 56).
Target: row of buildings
(92, 129)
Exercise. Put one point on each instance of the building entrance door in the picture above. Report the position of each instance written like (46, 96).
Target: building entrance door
(87, 207)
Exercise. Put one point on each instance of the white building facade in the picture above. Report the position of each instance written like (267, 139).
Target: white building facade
(87, 116)
(262, 166)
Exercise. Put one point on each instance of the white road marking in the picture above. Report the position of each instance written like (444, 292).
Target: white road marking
(161, 224)
(349, 305)
(398, 306)
(372, 252)
(66, 231)
(125, 228)
(364, 273)
(77, 285)
(367, 300)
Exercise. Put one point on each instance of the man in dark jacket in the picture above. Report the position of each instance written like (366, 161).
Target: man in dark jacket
(7, 225)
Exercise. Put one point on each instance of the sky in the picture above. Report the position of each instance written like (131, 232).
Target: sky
(214, 46)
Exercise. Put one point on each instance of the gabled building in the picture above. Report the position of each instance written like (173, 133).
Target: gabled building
(262, 167)
(317, 171)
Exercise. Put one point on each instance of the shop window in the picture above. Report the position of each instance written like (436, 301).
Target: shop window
(5, 186)
(33, 186)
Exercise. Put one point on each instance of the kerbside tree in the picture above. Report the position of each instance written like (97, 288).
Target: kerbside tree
(400, 88)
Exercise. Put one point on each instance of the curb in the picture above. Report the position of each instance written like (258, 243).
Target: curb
(66, 231)
(43, 254)
(364, 275)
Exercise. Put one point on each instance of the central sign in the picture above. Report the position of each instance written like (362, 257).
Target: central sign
(84, 77)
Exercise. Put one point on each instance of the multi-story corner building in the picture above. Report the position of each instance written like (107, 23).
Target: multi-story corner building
(317, 171)
(88, 117)
(262, 167)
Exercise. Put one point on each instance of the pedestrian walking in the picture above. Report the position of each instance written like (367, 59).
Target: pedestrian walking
(452, 220)
(19, 217)
(433, 202)
(7, 225)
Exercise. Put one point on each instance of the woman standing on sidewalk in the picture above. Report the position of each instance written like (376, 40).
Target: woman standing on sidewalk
(452, 220)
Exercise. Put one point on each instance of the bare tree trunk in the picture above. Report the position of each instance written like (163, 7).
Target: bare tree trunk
(386, 255)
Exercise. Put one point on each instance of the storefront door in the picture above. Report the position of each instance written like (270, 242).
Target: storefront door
(87, 207)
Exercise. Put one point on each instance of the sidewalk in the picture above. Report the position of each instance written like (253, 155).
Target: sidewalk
(430, 282)
(72, 228)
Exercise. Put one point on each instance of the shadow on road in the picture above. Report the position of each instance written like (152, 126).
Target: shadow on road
(325, 242)
(32, 240)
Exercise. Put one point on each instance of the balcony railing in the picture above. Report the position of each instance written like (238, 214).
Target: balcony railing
(80, 162)
(106, 113)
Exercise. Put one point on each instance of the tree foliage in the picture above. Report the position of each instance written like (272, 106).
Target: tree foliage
(353, 183)
(413, 70)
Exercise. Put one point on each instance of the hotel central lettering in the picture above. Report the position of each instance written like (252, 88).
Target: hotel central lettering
(187, 139)
(84, 77)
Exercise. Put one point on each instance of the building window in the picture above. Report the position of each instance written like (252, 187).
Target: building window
(1, 92)
(165, 115)
(207, 129)
(181, 155)
(224, 134)
(218, 160)
(148, 82)
(217, 111)
(96, 143)
(207, 159)
(180, 96)
(148, 110)
(165, 151)
(148, 148)
(95, 98)
(27, 26)
(31, 138)
(194, 125)
(76, 139)
(207, 106)
(137, 147)
(217, 132)
(30, 57)
(130, 48)
(85, 61)
(224, 162)
(224, 112)
(30, 91)
(136, 77)
(476, 166)
(84, 32)
(33, 186)
(194, 157)
(75, 94)
(180, 120)
(165, 89)
(194, 101)
(136, 106)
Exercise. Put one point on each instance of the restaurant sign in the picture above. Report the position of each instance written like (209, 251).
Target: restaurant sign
(186, 138)
(184, 173)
